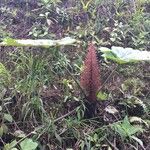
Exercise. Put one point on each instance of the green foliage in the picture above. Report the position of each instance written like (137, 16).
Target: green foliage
(11, 41)
(126, 130)
(85, 6)
(41, 103)
(11, 145)
(31, 72)
(44, 43)
(3, 130)
(28, 144)
(8, 117)
(5, 76)
(61, 63)
(102, 96)
(124, 55)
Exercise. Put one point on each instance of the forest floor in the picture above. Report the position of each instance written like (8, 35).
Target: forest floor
(41, 104)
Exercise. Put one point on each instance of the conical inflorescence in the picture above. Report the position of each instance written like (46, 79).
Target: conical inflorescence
(90, 76)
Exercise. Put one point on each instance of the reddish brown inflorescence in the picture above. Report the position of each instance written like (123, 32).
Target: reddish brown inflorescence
(90, 76)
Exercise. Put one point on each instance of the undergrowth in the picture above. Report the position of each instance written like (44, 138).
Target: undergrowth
(42, 104)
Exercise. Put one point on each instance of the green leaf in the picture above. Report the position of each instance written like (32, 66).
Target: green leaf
(28, 144)
(120, 130)
(7, 147)
(10, 146)
(4, 74)
(11, 41)
(125, 55)
(3, 130)
(3, 70)
(8, 117)
(13, 143)
(125, 129)
(38, 42)
(129, 129)
(102, 96)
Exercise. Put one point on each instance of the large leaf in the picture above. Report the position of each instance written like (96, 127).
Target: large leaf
(124, 55)
(8, 117)
(38, 42)
(125, 129)
(28, 144)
